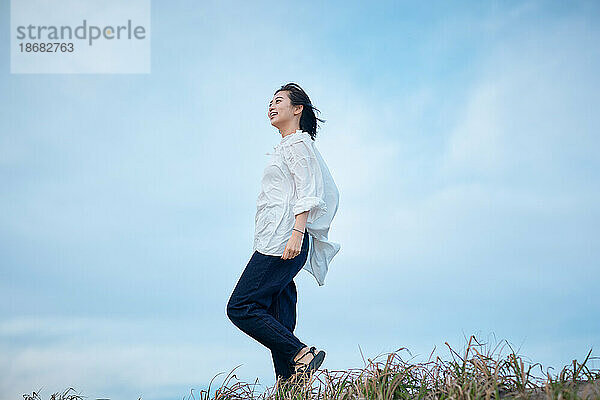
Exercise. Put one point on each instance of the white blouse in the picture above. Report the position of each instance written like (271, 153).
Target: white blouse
(295, 180)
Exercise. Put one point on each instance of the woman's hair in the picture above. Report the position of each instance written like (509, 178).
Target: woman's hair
(308, 119)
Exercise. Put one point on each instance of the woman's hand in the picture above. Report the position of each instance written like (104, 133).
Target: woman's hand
(293, 246)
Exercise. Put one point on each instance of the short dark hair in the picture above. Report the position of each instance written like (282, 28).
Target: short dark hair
(308, 119)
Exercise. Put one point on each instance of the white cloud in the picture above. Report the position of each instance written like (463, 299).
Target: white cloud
(92, 355)
(528, 115)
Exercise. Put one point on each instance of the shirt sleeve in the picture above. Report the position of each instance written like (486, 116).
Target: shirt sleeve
(308, 179)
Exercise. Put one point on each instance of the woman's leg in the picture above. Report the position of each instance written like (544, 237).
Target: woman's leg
(283, 309)
(263, 278)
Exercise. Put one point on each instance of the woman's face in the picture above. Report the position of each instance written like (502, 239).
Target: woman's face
(281, 112)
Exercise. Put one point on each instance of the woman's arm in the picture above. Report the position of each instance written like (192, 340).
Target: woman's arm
(308, 180)
(309, 190)
(294, 244)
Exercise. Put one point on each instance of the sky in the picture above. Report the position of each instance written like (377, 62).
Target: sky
(462, 137)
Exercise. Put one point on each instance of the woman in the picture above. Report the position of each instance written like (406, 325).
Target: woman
(296, 205)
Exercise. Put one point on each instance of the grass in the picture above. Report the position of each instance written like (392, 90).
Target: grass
(479, 372)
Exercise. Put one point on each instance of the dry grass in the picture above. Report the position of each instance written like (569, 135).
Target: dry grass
(479, 372)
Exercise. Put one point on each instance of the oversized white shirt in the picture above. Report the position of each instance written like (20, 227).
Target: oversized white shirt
(296, 179)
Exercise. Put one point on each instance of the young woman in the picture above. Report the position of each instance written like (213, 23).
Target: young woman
(294, 211)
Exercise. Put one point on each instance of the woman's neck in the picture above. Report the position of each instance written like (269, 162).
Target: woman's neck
(289, 131)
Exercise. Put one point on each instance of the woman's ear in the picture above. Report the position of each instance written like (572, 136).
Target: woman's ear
(298, 109)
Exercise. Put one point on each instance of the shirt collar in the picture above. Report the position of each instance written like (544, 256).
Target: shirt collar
(292, 135)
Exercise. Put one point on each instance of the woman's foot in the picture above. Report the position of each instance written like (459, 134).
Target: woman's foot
(308, 360)
(302, 353)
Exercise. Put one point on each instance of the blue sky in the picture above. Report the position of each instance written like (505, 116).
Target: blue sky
(463, 139)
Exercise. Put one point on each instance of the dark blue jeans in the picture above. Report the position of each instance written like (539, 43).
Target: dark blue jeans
(263, 305)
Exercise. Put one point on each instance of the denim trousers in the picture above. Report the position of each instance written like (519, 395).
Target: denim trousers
(263, 305)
